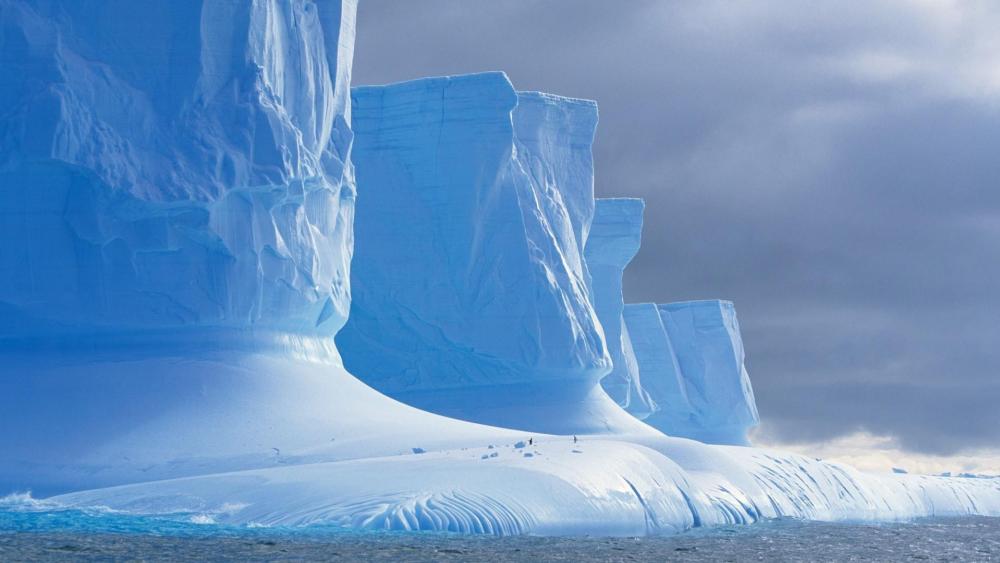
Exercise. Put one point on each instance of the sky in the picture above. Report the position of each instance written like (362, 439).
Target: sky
(831, 167)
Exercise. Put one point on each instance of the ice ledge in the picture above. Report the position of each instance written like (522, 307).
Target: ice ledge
(546, 119)
(415, 104)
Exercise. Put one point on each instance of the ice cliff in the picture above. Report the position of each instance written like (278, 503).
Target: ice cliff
(180, 165)
(691, 360)
(678, 367)
(471, 293)
(654, 354)
(176, 208)
(615, 236)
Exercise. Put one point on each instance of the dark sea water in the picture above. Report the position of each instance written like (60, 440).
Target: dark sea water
(64, 535)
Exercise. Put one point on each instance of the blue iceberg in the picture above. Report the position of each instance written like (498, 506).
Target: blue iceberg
(178, 189)
(691, 358)
(183, 167)
(177, 202)
(471, 292)
(615, 236)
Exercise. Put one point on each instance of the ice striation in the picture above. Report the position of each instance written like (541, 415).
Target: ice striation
(176, 228)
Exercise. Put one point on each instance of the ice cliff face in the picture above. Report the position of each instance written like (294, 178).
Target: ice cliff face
(615, 236)
(469, 272)
(474, 296)
(662, 379)
(678, 367)
(178, 164)
(691, 359)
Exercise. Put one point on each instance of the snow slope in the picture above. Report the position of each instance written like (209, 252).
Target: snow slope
(177, 201)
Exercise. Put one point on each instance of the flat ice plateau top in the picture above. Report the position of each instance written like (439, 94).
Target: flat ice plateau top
(178, 187)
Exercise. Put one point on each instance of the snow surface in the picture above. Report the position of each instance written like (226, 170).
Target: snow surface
(596, 487)
(177, 209)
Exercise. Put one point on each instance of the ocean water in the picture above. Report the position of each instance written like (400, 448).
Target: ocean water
(47, 534)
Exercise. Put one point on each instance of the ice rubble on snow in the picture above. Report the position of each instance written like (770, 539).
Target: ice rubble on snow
(177, 192)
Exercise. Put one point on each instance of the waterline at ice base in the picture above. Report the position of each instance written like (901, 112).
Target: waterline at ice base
(232, 286)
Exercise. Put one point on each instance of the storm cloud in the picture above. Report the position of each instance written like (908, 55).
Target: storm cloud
(830, 167)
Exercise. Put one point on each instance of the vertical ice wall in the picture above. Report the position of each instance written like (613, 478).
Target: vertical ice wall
(662, 379)
(691, 359)
(179, 163)
(615, 236)
(176, 204)
(469, 280)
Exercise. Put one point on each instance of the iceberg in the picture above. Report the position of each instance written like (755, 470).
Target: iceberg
(175, 185)
(615, 236)
(656, 361)
(705, 336)
(678, 367)
(690, 355)
(471, 292)
(177, 222)
(183, 167)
